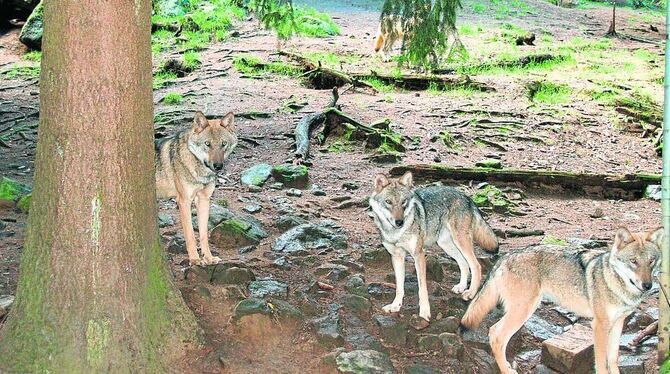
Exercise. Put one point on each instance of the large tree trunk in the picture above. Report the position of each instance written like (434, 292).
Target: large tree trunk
(95, 294)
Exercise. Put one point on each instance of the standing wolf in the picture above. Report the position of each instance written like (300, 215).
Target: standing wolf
(607, 286)
(388, 33)
(186, 168)
(410, 219)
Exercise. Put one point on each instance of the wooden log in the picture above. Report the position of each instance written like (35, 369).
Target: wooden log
(628, 187)
(414, 82)
(305, 127)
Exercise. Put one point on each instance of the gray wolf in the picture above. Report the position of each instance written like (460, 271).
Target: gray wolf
(187, 164)
(604, 285)
(411, 219)
(388, 33)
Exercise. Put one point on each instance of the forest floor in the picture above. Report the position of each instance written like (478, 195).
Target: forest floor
(573, 123)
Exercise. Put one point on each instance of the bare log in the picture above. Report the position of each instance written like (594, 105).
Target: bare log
(648, 331)
(628, 187)
(305, 127)
(414, 82)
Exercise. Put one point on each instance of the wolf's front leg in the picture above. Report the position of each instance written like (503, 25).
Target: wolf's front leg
(420, 265)
(398, 260)
(203, 204)
(184, 202)
(613, 339)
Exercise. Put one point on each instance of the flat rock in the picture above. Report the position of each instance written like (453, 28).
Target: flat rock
(570, 352)
(364, 362)
(359, 305)
(238, 232)
(328, 328)
(393, 331)
(356, 285)
(232, 275)
(268, 287)
(256, 175)
(291, 175)
(300, 239)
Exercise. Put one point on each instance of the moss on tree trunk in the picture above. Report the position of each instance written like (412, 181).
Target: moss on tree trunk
(94, 293)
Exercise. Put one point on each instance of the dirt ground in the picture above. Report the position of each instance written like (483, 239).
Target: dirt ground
(581, 136)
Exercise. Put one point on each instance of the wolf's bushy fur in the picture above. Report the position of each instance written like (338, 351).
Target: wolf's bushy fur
(604, 285)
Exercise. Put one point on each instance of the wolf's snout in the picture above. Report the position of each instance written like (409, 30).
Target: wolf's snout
(399, 222)
(646, 286)
(218, 166)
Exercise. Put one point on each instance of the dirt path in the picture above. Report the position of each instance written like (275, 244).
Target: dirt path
(580, 135)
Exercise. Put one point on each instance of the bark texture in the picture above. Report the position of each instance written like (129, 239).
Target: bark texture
(94, 292)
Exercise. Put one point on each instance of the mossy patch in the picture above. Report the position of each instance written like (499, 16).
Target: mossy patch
(173, 98)
(12, 191)
(552, 240)
(253, 66)
(549, 92)
(291, 175)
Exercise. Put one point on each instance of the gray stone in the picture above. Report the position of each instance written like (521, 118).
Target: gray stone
(449, 324)
(351, 186)
(376, 256)
(6, 302)
(429, 342)
(165, 220)
(177, 245)
(359, 305)
(490, 163)
(232, 275)
(251, 306)
(434, 269)
(356, 285)
(653, 192)
(268, 287)
(452, 346)
(286, 311)
(310, 236)
(238, 232)
(391, 330)
(33, 29)
(293, 192)
(217, 214)
(542, 329)
(256, 175)
(282, 263)
(289, 221)
(291, 175)
(631, 365)
(252, 208)
(317, 191)
(587, 243)
(364, 362)
(381, 291)
(334, 272)
(328, 328)
(419, 368)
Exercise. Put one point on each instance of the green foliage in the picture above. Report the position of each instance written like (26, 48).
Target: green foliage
(288, 20)
(249, 64)
(191, 60)
(379, 85)
(552, 240)
(162, 79)
(448, 140)
(22, 72)
(173, 98)
(330, 59)
(33, 56)
(428, 24)
(549, 93)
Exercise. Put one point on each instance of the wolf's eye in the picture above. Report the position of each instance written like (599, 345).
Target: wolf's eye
(388, 201)
(404, 203)
(207, 143)
(633, 261)
(651, 262)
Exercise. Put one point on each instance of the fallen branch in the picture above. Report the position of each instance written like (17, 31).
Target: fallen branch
(415, 82)
(305, 127)
(648, 331)
(630, 186)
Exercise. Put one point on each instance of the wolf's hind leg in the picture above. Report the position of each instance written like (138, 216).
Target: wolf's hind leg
(519, 305)
(447, 244)
(463, 241)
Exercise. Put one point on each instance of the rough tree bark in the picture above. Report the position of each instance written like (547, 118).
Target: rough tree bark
(94, 292)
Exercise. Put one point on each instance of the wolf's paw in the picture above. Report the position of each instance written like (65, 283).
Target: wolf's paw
(425, 315)
(210, 260)
(459, 288)
(392, 308)
(195, 261)
(468, 295)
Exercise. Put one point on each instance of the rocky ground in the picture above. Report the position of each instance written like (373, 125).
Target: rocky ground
(304, 275)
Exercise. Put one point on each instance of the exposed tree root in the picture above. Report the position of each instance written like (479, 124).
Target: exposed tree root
(628, 187)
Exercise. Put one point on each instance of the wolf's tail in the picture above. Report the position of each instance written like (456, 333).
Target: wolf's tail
(379, 39)
(486, 299)
(483, 233)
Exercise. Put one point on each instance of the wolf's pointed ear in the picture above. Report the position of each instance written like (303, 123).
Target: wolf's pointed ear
(227, 120)
(199, 122)
(380, 182)
(407, 179)
(656, 237)
(623, 237)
